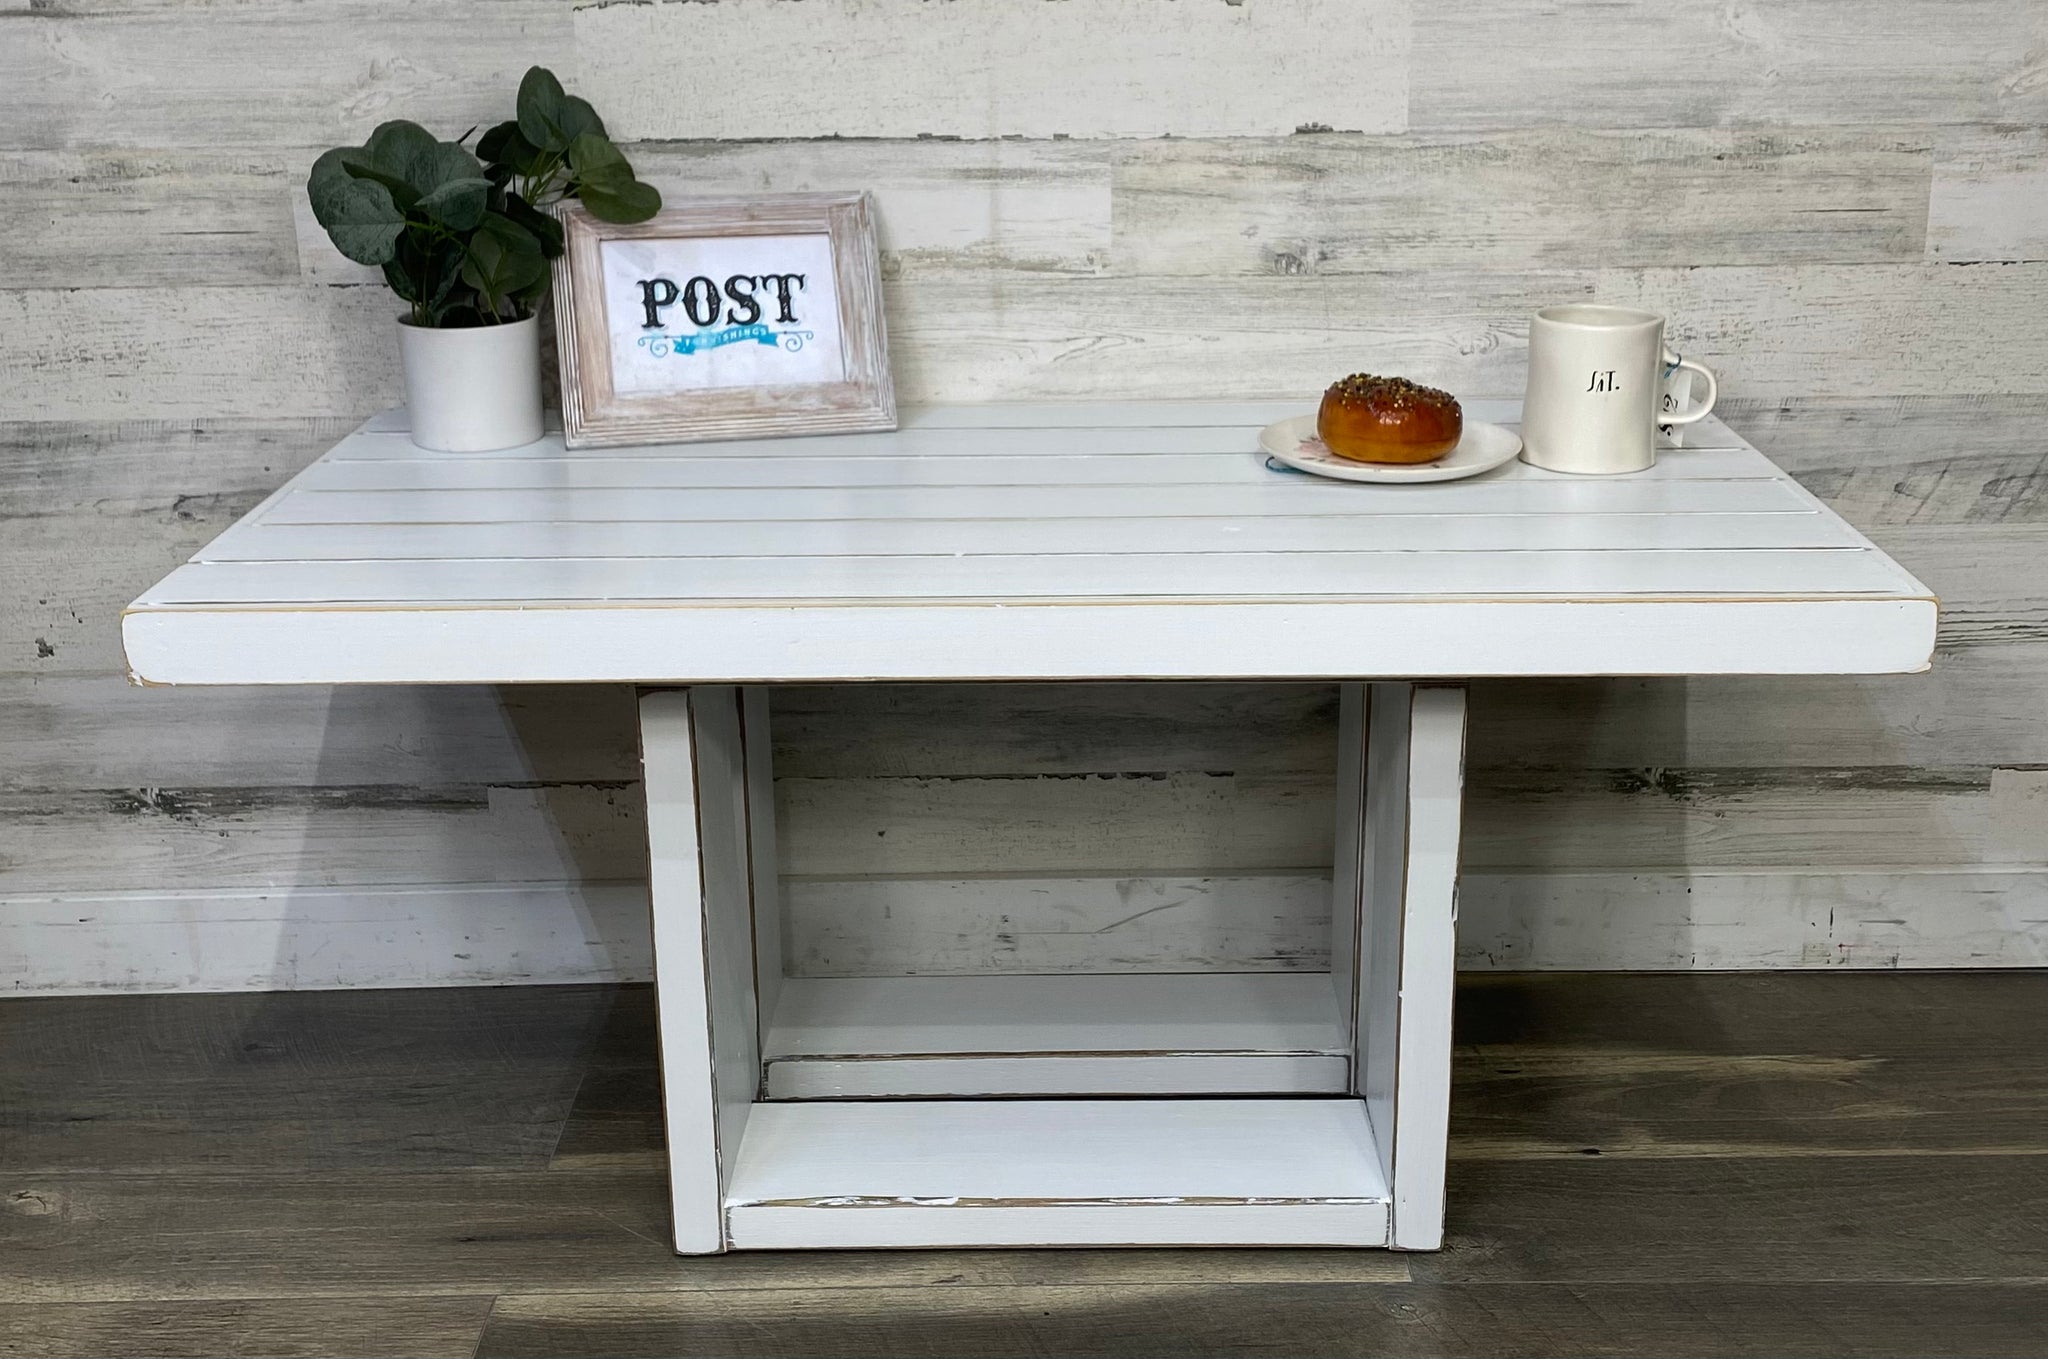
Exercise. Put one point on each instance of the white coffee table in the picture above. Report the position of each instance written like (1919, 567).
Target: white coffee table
(993, 543)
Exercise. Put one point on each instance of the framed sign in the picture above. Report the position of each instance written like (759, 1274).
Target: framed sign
(722, 318)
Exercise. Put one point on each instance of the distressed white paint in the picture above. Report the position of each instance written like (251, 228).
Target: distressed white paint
(1084, 68)
(764, 878)
(1414, 785)
(703, 941)
(1054, 1172)
(1044, 611)
(1175, 1034)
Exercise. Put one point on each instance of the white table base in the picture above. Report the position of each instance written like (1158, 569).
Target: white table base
(1254, 1109)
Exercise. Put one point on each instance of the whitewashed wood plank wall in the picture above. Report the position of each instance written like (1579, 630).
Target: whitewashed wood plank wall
(1842, 203)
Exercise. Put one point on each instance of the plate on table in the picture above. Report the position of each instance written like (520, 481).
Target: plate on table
(1482, 448)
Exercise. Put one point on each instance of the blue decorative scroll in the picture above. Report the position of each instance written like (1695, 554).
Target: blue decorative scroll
(661, 346)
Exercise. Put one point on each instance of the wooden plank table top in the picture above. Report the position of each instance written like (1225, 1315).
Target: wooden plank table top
(1018, 542)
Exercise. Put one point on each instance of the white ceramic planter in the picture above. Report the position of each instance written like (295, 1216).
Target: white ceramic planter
(474, 389)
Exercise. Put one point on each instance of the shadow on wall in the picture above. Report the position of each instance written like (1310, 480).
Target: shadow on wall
(501, 842)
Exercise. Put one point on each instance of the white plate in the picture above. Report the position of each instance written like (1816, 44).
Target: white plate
(1482, 448)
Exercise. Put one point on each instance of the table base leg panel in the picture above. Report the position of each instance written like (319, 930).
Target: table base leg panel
(853, 1111)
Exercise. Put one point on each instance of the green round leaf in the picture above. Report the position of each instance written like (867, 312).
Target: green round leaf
(402, 193)
(359, 214)
(506, 145)
(551, 119)
(503, 259)
(396, 147)
(545, 229)
(578, 118)
(541, 101)
(457, 204)
(630, 201)
(596, 160)
(447, 163)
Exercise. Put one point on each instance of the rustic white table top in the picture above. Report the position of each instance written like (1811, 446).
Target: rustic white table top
(1029, 542)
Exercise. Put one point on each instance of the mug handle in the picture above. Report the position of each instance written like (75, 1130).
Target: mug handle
(1700, 412)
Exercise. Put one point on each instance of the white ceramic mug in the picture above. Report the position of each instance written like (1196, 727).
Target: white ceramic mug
(1596, 388)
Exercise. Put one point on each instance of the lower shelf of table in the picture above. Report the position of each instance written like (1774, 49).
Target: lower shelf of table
(1180, 1034)
(1141, 1172)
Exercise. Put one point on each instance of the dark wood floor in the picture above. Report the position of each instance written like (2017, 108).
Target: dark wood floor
(1784, 1164)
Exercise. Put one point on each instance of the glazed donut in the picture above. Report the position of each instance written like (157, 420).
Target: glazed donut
(1388, 419)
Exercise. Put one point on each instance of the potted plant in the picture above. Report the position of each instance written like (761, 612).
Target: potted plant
(465, 239)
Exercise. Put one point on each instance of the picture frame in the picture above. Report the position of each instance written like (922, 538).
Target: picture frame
(722, 318)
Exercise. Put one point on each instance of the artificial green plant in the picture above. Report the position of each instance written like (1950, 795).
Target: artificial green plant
(465, 237)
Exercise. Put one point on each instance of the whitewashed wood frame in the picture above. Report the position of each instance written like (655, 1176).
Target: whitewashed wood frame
(1408, 910)
(594, 414)
(873, 1126)
(700, 885)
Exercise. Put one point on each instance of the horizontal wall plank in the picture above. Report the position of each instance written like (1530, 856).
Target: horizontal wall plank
(60, 608)
(1543, 921)
(856, 731)
(1329, 204)
(92, 218)
(169, 469)
(1085, 68)
(145, 495)
(1977, 707)
(253, 939)
(159, 73)
(1910, 460)
(1551, 820)
(183, 838)
(1818, 330)
(1523, 200)
(1989, 577)
(179, 839)
(1144, 824)
(1990, 194)
(1644, 63)
(1595, 921)
(298, 937)
(99, 731)
(939, 204)
(1521, 819)
(200, 353)
(871, 927)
